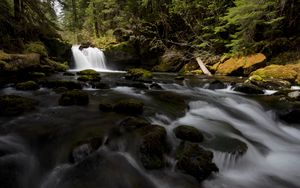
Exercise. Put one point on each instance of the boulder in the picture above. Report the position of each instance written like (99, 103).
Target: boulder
(74, 97)
(129, 106)
(132, 123)
(36, 47)
(216, 84)
(29, 85)
(153, 146)
(228, 145)
(272, 84)
(87, 72)
(122, 35)
(188, 133)
(89, 78)
(138, 74)
(282, 72)
(239, 66)
(292, 116)
(195, 161)
(248, 88)
(171, 61)
(11, 105)
(155, 86)
(105, 106)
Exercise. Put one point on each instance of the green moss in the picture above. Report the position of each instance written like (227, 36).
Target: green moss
(123, 47)
(138, 73)
(88, 72)
(36, 47)
(29, 85)
(89, 78)
(38, 74)
(56, 66)
(188, 133)
(74, 97)
(276, 72)
(255, 78)
(11, 105)
(4, 56)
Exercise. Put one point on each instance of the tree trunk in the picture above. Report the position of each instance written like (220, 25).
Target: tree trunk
(96, 23)
(75, 24)
(17, 10)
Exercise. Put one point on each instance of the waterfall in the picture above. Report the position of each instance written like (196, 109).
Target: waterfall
(88, 58)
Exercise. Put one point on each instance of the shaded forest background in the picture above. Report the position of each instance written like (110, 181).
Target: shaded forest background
(210, 27)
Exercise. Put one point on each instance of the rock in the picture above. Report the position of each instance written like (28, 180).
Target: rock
(105, 106)
(132, 123)
(271, 84)
(60, 90)
(179, 78)
(188, 133)
(155, 86)
(29, 85)
(239, 66)
(89, 78)
(291, 117)
(123, 55)
(100, 85)
(138, 74)
(228, 145)
(62, 83)
(87, 72)
(54, 66)
(36, 47)
(129, 106)
(277, 72)
(37, 74)
(74, 97)
(11, 105)
(248, 88)
(216, 84)
(195, 161)
(171, 61)
(138, 85)
(85, 148)
(153, 146)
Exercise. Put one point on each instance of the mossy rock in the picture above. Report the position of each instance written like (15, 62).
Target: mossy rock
(36, 47)
(106, 106)
(89, 78)
(277, 72)
(129, 106)
(239, 66)
(56, 66)
(37, 74)
(132, 123)
(153, 146)
(87, 72)
(171, 61)
(271, 84)
(216, 84)
(29, 85)
(4, 56)
(188, 133)
(62, 83)
(138, 74)
(195, 161)
(248, 88)
(74, 97)
(11, 105)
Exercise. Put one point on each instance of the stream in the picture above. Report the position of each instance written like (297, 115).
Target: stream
(35, 147)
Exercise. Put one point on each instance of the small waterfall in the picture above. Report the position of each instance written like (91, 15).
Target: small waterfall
(88, 58)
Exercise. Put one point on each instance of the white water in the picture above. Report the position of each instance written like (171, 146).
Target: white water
(89, 58)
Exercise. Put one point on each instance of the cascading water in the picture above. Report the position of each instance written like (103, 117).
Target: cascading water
(88, 58)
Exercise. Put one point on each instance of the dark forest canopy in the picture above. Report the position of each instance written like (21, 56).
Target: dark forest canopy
(213, 26)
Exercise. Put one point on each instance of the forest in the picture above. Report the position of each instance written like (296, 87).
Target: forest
(149, 93)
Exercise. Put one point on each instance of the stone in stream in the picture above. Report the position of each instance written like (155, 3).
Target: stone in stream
(188, 133)
(89, 78)
(293, 116)
(129, 106)
(87, 72)
(195, 161)
(132, 123)
(216, 84)
(29, 85)
(138, 74)
(11, 105)
(153, 146)
(155, 86)
(74, 97)
(248, 88)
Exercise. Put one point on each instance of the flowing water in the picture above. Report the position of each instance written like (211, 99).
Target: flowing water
(35, 147)
(88, 58)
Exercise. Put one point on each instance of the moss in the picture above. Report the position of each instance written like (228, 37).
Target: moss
(138, 73)
(126, 47)
(289, 57)
(87, 72)
(132, 123)
(11, 105)
(255, 78)
(277, 72)
(37, 74)
(197, 72)
(36, 47)
(74, 97)
(188, 133)
(153, 146)
(56, 66)
(29, 85)
(195, 161)
(171, 61)
(89, 78)
(129, 106)
(4, 56)
(238, 66)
